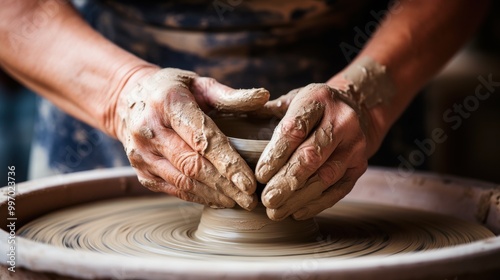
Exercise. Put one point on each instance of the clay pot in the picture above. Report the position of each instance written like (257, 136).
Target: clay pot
(248, 136)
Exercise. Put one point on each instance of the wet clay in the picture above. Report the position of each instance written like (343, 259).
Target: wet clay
(158, 227)
(242, 100)
(276, 155)
(252, 227)
(168, 99)
(248, 136)
(370, 81)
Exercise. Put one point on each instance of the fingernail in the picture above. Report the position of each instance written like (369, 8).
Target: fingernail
(275, 214)
(301, 214)
(247, 202)
(242, 181)
(262, 171)
(273, 198)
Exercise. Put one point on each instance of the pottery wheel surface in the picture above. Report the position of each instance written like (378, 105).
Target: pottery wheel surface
(166, 226)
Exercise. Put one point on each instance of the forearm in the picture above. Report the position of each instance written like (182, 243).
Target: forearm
(48, 47)
(413, 43)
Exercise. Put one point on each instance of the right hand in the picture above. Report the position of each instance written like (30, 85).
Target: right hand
(316, 153)
(175, 147)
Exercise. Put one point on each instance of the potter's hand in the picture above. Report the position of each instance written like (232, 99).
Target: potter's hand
(175, 147)
(321, 146)
(315, 156)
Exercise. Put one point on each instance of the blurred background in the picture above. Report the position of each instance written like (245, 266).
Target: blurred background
(449, 102)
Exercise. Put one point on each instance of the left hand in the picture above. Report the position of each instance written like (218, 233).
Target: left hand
(175, 147)
(316, 154)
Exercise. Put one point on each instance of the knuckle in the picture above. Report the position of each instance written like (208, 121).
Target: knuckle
(208, 81)
(349, 119)
(200, 143)
(324, 89)
(183, 195)
(352, 116)
(190, 163)
(184, 183)
(202, 139)
(320, 89)
(346, 189)
(310, 155)
(295, 128)
(331, 171)
(202, 84)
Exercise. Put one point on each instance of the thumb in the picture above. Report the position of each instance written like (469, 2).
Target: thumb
(227, 99)
(277, 107)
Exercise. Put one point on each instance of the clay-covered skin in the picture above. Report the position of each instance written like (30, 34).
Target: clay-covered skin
(369, 80)
(175, 147)
(275, 108)
(319, 149)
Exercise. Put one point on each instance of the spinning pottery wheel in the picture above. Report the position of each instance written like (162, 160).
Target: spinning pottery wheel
(465, 202)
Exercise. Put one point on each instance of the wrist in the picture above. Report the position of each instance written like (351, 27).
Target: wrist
(128, 78)
(366, 86)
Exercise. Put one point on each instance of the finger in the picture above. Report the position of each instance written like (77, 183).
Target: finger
(293, 200)
(304, 113)
(310, 156)
(312, 190)
(327, 175)
(193, 165)
(346, 155)
(157, 184)
(178, 184)
(187, 188)
(170, 189)
(187, 185)
(331, 196)
(275, 108)
(159, 175)
(226, 99)
(202, 135)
